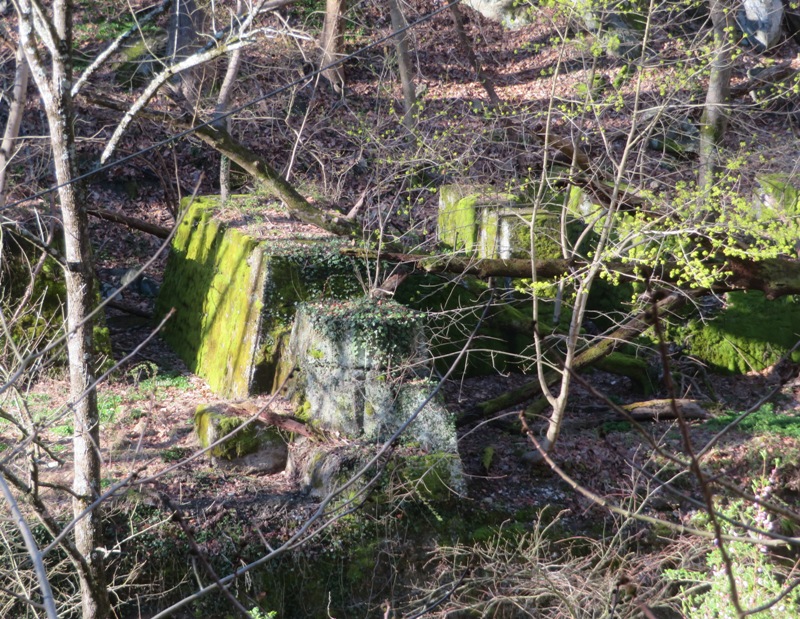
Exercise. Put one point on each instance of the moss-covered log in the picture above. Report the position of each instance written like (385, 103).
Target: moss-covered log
(775, 277)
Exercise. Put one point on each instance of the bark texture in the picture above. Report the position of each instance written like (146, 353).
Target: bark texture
(715, 116)
(54, 87)
(330, 44)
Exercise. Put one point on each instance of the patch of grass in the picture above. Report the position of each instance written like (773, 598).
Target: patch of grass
(136, 414)
(149, 382)
(615, 426)
(166, 381)
(39, 405)
(175, 454)
(763, 421)
(63, 430)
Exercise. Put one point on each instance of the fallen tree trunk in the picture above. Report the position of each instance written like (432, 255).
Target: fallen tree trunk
(775, 277)
(223, 142)
(663, 410)
(288, 423)
(131, 222)
(594, 353)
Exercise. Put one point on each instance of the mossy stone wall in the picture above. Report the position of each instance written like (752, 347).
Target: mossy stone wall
(214, 280)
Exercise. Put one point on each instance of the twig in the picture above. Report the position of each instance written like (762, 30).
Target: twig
(33, 551)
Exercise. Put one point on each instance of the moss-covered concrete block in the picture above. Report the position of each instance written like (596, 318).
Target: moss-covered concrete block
(496, 225)
(354, 359)
(214, 421)
(234, 297)
(460, 209)
(523, 232)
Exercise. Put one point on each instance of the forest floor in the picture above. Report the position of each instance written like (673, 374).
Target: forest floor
(147, 405)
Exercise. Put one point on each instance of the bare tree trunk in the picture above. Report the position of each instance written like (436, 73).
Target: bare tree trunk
(223, 101)
(330, 43)
(404, 64)
(486, 82)
(17, 107)
(79, 276)
(714, 120)
(184, 24)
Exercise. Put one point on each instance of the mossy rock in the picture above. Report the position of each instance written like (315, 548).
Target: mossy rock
(213, 421)
(750, 334)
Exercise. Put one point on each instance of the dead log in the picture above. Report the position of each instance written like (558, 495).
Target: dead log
(224, 143)
(131, 222)
(663, 410)
(767, 78)
(288, 423)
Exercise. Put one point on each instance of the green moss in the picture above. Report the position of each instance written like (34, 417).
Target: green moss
(452, 311)
(138, 56)
(458, 222)
(507, 234)
(627, 365)
(751, 334)
(432, 477)
(211, 425)
(235, 298)
(763, 421)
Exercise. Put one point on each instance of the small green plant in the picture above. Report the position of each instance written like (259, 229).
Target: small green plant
(107, 406)
(759, 580)
(488, 456)
(148, 381)
(257, 613)
(136, 413)
(63, 430)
